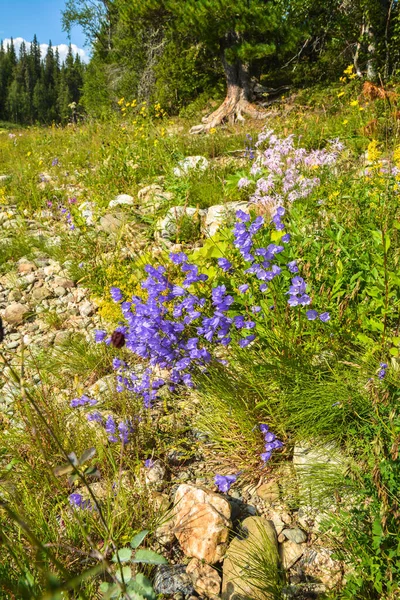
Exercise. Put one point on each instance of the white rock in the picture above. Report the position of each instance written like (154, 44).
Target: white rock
(121, 199)
(189, 163)
(4, 177)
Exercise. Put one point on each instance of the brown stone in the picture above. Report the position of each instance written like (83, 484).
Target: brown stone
(290, 553)
(269, 492)
(202, 522)
(15, 313)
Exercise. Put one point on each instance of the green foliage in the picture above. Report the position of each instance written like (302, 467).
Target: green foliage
(38, 89)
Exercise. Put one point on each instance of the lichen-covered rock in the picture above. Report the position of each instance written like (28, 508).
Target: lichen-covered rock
(243, 558)
(206, 580)
(171, 579)
(201, 523)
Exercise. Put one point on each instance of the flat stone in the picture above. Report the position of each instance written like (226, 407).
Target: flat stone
(41, 293)
(15, 313)
(290, 553)
(60, 291)
(258, 539)
(296, 535)
(202, 522)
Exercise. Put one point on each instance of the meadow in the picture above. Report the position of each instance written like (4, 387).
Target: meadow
(215, 355)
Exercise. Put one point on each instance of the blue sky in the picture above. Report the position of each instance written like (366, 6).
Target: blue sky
(24, 18)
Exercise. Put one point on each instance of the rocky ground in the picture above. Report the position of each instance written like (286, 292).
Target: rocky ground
(217, 541)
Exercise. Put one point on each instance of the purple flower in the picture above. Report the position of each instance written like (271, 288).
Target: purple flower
(243, 288)
(311, 315)
(292, 266)
(224, 482)
(246, 341)
(116, 294)
(324, 317)
(263, 287)
(178, 257)
(286, 238)
(99, 335)
(54, 162)
(264, 428)
(77, 501)
(149, 463)
(242, 216)
(382, 374)
(224, 264)
(265, 456)
(95, 416)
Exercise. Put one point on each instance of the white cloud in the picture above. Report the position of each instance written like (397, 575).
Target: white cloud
(62, 49)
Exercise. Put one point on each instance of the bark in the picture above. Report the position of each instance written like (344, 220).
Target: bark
(237, 101)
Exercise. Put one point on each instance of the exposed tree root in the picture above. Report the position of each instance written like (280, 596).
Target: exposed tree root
(232, 110)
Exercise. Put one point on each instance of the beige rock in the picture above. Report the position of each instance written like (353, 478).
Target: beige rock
(202, 522)
(269, 492)
(256, 553)
(290, 553)
(26, 267)
(206, 580)
(15, 313)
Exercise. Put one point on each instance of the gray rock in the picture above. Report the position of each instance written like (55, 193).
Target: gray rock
(121, 199)
(86, 210)
(171, 579)
(295, 535)
(15, 313)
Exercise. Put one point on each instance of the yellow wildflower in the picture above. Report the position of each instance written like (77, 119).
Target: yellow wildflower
(213, 131)
(345, 122)
(372, 151)
(340, 94)
(354, 103)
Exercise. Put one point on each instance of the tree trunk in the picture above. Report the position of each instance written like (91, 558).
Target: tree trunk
(237, 100)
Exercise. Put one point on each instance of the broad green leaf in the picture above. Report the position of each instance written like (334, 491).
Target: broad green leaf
(138, 538)
(149, 557)
(124, 555)
(126, 574)
(394, 351)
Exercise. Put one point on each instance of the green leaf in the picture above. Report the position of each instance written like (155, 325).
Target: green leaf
(138, 538)
(87, 455)
(124, 555)
(149, 557)
(394, 351)
(125, 573)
